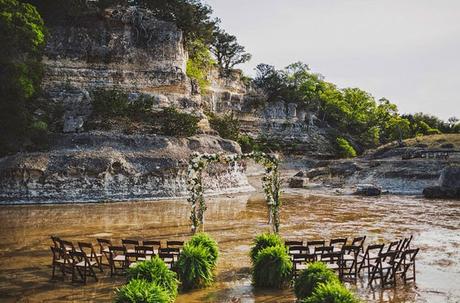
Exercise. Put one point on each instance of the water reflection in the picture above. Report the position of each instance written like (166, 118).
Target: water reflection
(233, 221)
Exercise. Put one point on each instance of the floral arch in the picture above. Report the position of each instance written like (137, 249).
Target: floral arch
(271, 183)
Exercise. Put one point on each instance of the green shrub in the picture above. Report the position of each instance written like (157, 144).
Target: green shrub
(199, 64)
(227, 125)
(263, 241)
(141, 291)
(194, 267)
(116, 103)
(247, 143)
(177, 124)
(156, 271)
(272, 267)
(333, 292)
(202, 239)
(345, 149)
(311, 277)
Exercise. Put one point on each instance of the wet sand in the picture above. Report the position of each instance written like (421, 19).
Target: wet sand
(233, 221)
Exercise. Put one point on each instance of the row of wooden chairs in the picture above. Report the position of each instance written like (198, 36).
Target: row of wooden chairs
(84, 259)
(348, 260)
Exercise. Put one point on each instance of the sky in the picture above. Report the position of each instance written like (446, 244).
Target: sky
(405, 50)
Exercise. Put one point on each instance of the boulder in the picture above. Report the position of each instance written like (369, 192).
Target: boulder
(344, 168)
(298, 182)
(369, 190)
(450, 177)
(438, 192)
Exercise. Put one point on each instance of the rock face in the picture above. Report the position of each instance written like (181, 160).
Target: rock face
(126, 48)
(101, 166)
(449, 184)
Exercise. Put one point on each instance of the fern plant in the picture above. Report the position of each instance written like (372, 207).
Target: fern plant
(333, 292)
(156, 271)
(194, 267)
(272, 268)
(263, 241)
(309, 278)
(141, 291)
(207, 242)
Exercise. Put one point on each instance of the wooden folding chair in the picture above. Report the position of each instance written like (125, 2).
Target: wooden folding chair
(370, 255)
(67, 246)
(313, 244)
(394, 246)
(293, 243)
(144, 252)
(297, 249)
(338, 243)
(300, 262)
(320, 250)
(405, 263)
(359, 241)
(117, 259)
(384, 269)
(169, 255)
(333, 260)
(83, 265)
(156, 244)
(104, 245)
(130, 245)
(350, 262)
(90, 252)
(58, 261)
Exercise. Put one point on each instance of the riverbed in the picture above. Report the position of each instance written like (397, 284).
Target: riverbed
(233, 221)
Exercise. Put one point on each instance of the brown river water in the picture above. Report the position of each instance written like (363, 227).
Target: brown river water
(233, 221)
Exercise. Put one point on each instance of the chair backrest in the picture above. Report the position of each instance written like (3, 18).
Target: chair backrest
(79, 256)
(169, 250)
(85, 247)
(339, 241)
(154, 243)
(388, 257)
(320, 250)
(393, 246)
(303, 257)
(57, 253)
(313, 244)
(56, 241)
(67, 245)
(298, 249)
(375, 249)
(351, 250)
(174, 243)
(331, 257)
(359, 241)
(104, 242)
(129, 242)
(410, 254)
(293, 243)
(117, 250)
(145, 249)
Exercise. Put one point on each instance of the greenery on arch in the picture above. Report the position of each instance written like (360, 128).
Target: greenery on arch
(271, 183)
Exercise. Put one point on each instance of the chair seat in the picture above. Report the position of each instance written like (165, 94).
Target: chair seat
(386, 265)
(82, 263)
(62, 261)
(106, 250)
(130, 250)
(301, 266)
(119, 258)
(89, 255)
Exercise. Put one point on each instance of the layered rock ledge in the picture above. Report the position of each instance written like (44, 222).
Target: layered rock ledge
(102, 166)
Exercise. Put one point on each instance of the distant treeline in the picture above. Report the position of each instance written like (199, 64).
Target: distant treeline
(352, 111)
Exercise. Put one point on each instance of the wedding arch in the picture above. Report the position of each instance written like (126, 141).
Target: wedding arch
(271, 183)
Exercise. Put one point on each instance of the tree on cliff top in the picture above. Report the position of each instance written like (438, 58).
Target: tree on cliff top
(22, 34)
(227, 51)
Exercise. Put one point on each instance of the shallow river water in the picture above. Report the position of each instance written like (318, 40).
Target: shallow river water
(233, 221)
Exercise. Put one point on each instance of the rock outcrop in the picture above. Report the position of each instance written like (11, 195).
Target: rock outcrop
(449, 185)
(101, 166)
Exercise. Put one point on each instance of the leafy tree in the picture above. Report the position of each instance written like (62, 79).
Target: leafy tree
(22, 33)
(227, 51)
(228, 126)
(193, 17)
(199, 64)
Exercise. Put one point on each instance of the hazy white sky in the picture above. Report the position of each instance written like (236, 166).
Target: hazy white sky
(405, 50)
